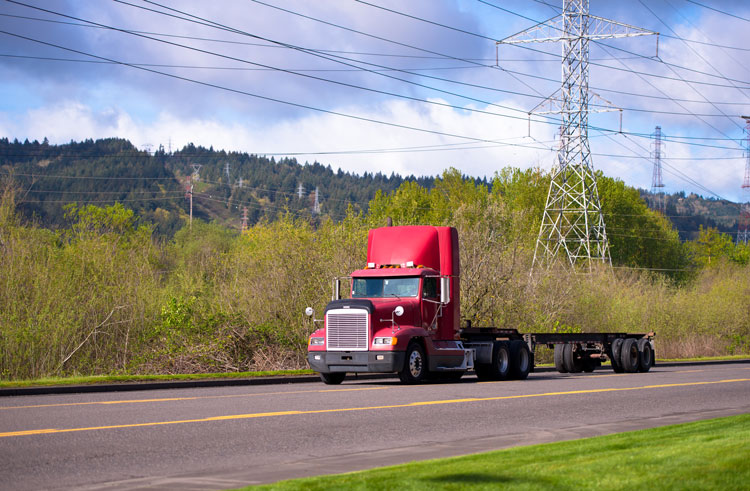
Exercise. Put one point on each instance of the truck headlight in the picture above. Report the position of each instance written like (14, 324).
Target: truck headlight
(317, 341)
(389, 341)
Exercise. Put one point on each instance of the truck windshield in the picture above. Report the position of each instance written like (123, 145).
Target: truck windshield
(385, 287)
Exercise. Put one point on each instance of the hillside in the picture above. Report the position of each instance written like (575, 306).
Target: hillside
(112, 170)
(690, 212)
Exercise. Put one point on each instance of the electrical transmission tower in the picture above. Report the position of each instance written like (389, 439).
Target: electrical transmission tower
(316, 203)
(743, 227)
(657, 194)
(244, 218)
(572, 220)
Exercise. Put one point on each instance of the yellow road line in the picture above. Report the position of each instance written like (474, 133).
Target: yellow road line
(193, 398)
(367, 408)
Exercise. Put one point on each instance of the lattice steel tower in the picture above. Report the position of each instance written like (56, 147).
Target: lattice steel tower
(657, 194)
(743, 226)
(573, 220)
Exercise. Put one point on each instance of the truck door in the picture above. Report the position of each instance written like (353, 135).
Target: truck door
(430, 303)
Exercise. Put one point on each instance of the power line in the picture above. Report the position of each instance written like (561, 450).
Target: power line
(717, 10)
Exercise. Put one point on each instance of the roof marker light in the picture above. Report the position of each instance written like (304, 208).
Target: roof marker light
(409, 264)
(370, 265)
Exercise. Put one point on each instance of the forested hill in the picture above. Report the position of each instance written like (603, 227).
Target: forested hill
(688, 213)
(102, 172)
(106, 171)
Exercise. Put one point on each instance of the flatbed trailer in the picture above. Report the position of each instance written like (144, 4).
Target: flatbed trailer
(573, 352)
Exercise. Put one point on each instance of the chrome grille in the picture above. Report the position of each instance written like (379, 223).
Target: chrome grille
(347, 330)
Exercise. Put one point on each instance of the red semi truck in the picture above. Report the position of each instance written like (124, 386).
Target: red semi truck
(403, 317)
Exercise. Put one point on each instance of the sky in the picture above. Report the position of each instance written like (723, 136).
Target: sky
(384, 85)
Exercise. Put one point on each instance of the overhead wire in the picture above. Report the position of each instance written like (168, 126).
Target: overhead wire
(337, 82)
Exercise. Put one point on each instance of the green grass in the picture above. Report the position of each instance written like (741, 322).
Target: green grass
(108, 379)
(707, 358)
(711, 454)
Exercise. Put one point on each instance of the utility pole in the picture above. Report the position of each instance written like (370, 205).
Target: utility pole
(572, 220)
(657, 194)
(743, 225)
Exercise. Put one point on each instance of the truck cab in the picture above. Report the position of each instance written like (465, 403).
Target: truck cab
(402, 315)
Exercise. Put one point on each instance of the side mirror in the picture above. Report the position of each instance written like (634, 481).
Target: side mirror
(336, 289)
(398, 311)
(309, 311)
(445, 289)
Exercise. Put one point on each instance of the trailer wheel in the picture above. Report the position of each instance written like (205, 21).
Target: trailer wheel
(333, 378)
(415, 365)
(520, 360)
(500, 360)
(615, 358)
(629, 356)
(559, 365)
(647, 355)
(571, 362)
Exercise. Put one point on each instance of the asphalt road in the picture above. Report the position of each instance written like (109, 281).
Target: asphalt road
(218, 438)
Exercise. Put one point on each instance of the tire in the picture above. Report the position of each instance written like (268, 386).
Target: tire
(629, 356)
(588, 364)
(520, 360)
(572, 363)
(483, 371)
(334, 378)
(615, 355)
(559, 365)
(415, 365)
(500, 360)
(646, 355)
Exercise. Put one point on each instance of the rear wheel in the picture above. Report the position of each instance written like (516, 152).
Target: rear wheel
(572, 362)
(520, 360)
(500, 360)
(647, 355)
(615, 358)
(415, 365)
(559, 365)
(334, 378)
(629, 356)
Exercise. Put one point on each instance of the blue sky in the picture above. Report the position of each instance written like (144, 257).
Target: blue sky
(391, 86)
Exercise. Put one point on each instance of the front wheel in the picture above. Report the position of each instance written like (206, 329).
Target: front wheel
(334, 378)
(415, 365)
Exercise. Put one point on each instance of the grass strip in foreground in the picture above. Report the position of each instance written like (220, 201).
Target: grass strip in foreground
(108, 379)
(711, 454)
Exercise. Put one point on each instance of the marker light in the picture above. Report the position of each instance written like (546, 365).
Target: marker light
(389, 341)
(409, 264)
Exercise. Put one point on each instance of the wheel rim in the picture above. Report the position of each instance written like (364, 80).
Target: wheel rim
(415, 363)
(502, 361)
